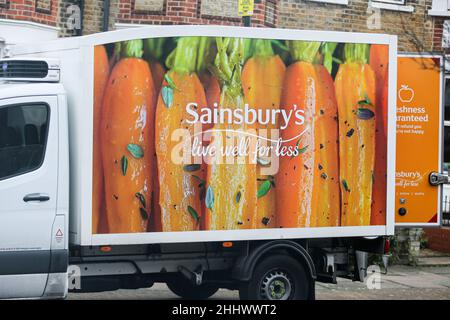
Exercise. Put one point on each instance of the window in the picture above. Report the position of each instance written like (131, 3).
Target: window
(400, 2)
(23, 137)
(343, 2)
(392, 5)
(440, 8)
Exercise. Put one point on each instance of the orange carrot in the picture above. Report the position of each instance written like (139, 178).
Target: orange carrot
(205, 59)
(326, 193)
(153, 53)
(379, 61)
(128, 142)
(101, 73)
(262, 81)
(355, 92)
(231, 187)
(180, 184)
(158, 72)
(212, 91)
(307, 183)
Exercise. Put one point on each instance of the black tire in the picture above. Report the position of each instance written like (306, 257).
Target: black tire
(187, 290)
(278, 277)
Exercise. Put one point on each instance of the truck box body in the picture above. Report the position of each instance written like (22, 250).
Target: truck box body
(77, 75)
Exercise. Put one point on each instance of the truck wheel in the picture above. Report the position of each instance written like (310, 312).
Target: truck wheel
(186, 290)
(278, 277)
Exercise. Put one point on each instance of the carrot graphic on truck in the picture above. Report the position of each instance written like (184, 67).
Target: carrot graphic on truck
(154, 54)
(128, 141)
(307, 183)
(355, 93)
(180, 184)
(206, 54)
(101, 74)
(326, 200)
(379, 61)
(337, 176)
(262, 81)
(231, 187)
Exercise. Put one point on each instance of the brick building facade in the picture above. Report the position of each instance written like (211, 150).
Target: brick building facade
(417, 22)
(411, 22)
(39, 11)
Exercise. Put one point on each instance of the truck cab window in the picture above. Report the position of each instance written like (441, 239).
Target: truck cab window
(23, 138)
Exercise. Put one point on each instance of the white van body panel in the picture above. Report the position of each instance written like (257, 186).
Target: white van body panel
(24, 285)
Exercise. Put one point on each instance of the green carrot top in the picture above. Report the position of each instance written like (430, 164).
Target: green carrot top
(228, 65)
(327, 50)
(206, 53)
(356, 52)
(130, 49)
(303, 50)
(249, 48)
(263, 48)
(183, 59)
(154, 48)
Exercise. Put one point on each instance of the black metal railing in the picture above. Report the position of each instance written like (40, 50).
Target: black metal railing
(446, 211)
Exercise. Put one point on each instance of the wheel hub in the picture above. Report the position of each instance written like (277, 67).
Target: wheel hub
(276, 285)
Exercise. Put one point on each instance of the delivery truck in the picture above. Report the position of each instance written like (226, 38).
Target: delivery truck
(204, 157)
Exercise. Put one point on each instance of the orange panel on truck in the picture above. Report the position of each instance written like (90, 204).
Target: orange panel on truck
(419, 98)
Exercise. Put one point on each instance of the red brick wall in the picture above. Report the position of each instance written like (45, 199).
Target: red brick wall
(188, 12)
(437, 34)
(438, 239)
(25, 10)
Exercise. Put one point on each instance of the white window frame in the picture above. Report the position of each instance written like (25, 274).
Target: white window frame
(393, 5)
(341, 2)
(440, 8)
(397, 2)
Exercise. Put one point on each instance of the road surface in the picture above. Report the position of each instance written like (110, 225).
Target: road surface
(402, 282)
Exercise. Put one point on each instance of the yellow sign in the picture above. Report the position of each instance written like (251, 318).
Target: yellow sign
(246, 8)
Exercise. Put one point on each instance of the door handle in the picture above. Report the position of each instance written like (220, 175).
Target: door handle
(38, 197)
(436, 178)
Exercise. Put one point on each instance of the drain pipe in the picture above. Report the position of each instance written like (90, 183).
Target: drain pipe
(106, 5)
(79, 32)
(2, 47)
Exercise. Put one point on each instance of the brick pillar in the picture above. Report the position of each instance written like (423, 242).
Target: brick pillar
(407, 246)
(265, 13)
(92, 15)
(68, 17)
(437, 34)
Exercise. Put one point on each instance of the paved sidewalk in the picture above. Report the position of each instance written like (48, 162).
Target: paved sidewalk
(402, 282)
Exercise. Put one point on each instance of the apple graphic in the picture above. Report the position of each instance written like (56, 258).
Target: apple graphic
(405, 94)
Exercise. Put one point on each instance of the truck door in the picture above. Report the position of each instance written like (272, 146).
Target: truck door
(28, 193)
(419, 140)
